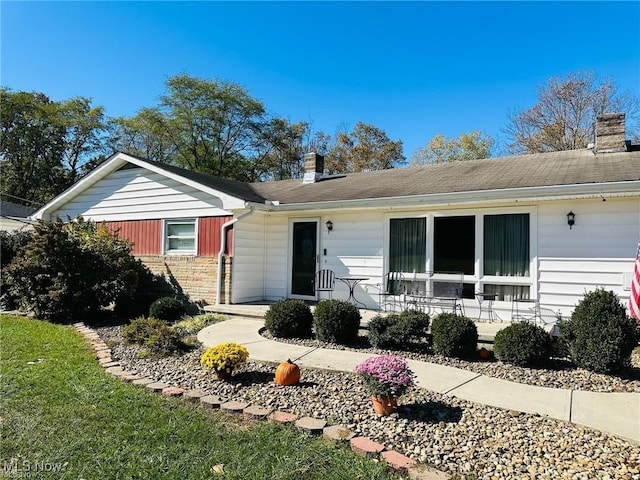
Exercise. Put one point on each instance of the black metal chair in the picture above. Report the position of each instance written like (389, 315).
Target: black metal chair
(325, 281)
(447, 294)
(392, 291)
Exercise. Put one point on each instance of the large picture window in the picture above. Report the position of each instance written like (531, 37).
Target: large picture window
(180, 236)
(489, 253)
(408, 245)
(454, 244)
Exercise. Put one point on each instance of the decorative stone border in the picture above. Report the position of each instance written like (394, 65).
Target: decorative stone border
(336, 433)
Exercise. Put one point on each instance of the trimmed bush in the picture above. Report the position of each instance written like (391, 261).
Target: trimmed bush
(396, 331)
(600, 336)
(140, 330)
(336, 321)
(522, 344)
(289, 318)
(167, 308)
(454, 336)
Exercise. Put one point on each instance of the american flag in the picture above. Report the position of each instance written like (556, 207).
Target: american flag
(634, 298)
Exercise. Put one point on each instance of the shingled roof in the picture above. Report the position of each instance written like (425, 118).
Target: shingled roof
(14, 210)
(570, 167)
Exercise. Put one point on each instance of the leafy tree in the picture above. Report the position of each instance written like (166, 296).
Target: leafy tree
(366, 147)
(44, 144)
(207, 126)
(143, 135)
(284, 145)
(564, 117)
(440, 149)
(85, 134)
(31, 146)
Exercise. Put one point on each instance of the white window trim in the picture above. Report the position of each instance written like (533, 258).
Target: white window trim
(478, 279)
(532, 280)
(165, 239)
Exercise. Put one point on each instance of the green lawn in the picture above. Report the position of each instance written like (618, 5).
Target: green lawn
(63, 417)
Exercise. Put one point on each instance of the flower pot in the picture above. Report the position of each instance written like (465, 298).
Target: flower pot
(223, 374)
(384, 405)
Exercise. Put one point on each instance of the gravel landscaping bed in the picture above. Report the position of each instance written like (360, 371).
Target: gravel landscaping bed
(562, 373)
(453, 435)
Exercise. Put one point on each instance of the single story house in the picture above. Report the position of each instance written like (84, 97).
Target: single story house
(548, 226)
(14, 216)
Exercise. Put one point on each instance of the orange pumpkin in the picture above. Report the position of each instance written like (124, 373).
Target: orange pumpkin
(484, 354)
(287, 373)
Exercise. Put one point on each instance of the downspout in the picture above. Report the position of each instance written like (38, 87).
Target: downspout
(223, 247)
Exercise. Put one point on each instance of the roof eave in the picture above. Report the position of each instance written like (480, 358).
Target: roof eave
(521, 194)
(113, 163)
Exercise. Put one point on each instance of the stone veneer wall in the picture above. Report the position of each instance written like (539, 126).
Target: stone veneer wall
(195, 276)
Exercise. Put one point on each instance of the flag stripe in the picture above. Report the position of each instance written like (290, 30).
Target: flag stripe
(634, 298)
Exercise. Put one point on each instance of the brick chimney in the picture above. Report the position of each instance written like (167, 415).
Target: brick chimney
(610, 132)
(313, 167)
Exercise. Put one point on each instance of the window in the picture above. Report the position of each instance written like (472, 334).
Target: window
(408, 245)
(507, 253)
(489, 253)
(506, 245)
(454, 244)
(180, 236)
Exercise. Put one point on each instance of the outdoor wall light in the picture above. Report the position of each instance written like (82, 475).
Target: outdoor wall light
(571, 219)
(329, 225)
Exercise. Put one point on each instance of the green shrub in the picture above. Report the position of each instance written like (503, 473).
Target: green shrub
(600, 336)
(454, 335)
(396, 331)
(140, 330)
(522, 344)
(192, 325)
(289, 318)
(160, 338)
(12, 244)
(164, 341)
(336, 321)
(70, 271)
(145, 287)
(167, 308)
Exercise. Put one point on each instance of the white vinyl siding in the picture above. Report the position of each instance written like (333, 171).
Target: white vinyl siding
(597, 252)
(248, 259)
(261, 254)
(138, 194)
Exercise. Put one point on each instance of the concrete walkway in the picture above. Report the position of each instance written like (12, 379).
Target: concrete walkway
(616, 413)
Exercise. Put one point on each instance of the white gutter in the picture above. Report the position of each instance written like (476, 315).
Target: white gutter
(223, 247)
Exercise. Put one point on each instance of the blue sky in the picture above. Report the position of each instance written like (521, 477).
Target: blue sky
(413, 69)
